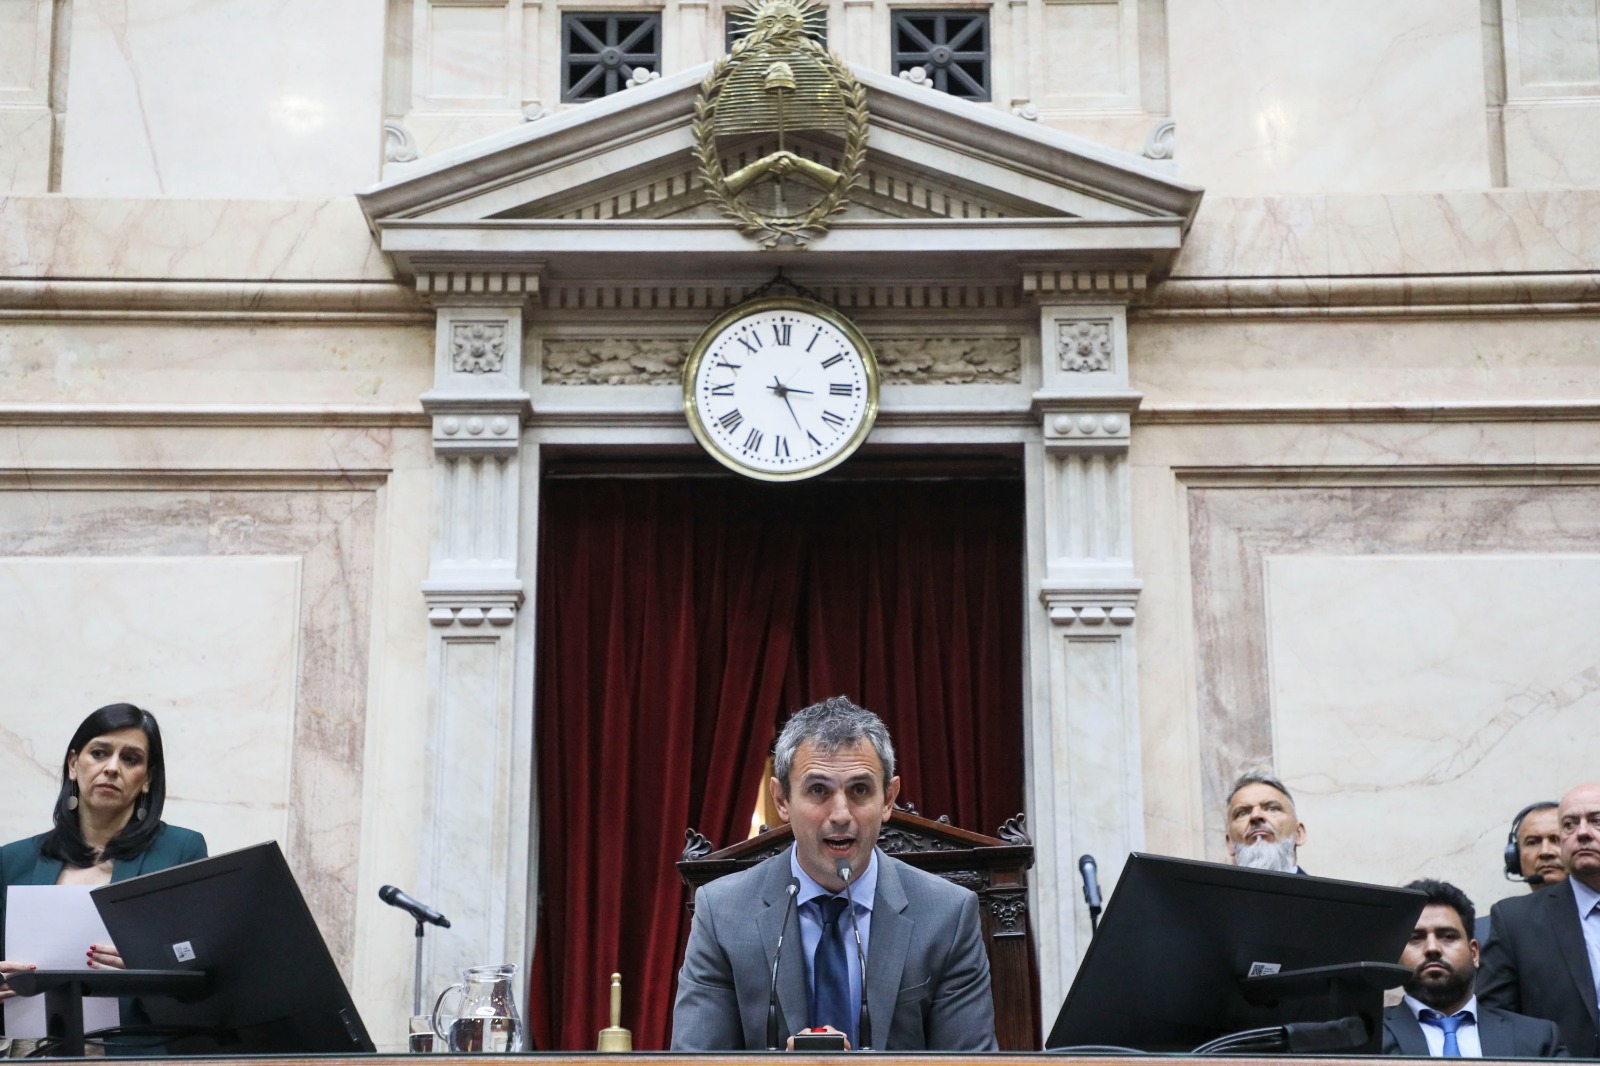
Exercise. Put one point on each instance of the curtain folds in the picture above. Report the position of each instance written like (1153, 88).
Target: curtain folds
(679, 621)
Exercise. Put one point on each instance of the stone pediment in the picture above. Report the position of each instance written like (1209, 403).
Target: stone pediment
(612, 188)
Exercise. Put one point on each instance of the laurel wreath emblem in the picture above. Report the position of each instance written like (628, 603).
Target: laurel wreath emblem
(768, 229)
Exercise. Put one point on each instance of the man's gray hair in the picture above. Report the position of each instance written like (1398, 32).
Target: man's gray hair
(830, 725)
(1259, 777)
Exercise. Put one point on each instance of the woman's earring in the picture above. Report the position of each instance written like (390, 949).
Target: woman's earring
(72, 800)
(140, 812)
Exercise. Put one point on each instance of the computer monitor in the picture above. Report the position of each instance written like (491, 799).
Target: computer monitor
(1165, 971)
(273, 988)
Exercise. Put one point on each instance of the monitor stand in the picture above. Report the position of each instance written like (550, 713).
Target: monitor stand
(1352, 989)
(63, 992)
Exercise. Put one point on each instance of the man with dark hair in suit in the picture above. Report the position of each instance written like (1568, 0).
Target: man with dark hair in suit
(1439, 1015)
(1543, 954)
(927, 973)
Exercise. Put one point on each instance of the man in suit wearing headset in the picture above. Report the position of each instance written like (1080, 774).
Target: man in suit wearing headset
(1532, 854)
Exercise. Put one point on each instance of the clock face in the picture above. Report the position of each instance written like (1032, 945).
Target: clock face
(781, 389)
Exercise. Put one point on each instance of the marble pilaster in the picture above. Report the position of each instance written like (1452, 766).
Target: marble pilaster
(1091, 801)
(476, 820)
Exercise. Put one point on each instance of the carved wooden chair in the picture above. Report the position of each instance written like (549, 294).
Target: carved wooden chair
(996, 868)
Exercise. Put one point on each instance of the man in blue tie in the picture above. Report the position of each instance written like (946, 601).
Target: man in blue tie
(1439, 1015)
(781, 936)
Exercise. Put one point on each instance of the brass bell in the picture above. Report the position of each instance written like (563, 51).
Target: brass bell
(614, 1037)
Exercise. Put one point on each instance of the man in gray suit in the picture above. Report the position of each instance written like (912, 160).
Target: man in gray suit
(1439, 1015)
(927, 974)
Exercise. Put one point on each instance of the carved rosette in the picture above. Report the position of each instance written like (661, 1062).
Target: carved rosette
(1084, 346)
(477, 347)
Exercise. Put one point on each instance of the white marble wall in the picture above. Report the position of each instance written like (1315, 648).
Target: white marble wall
(1329, 96)
(227, 98)
(158, 590)
(1419, 701)
(207, 643)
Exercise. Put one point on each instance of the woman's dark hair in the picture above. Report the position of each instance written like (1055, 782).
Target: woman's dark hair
(65, 842)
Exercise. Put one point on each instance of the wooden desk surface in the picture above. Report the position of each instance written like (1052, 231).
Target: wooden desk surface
(757, 1058)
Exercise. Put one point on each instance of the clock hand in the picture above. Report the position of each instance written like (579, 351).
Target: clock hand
(791, 388)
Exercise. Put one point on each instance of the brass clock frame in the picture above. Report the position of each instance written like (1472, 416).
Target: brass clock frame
(761, 305)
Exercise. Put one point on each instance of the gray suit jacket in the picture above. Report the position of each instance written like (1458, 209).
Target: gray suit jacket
(1535, 963)
(927, 970)
(1503, 1035)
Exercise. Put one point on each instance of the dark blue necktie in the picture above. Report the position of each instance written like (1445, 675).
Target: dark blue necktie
(1449, 1023)
(830, 972)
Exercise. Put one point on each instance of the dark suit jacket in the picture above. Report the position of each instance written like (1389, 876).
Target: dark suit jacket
(1535, 963)
(927, 978)
(1503, 1035)
(22, 864)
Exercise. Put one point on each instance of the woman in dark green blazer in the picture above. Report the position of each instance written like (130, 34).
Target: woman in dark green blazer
(108, 823)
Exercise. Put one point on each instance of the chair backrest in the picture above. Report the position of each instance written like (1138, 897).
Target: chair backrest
(996, 868)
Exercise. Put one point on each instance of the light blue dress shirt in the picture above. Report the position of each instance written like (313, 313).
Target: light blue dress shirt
(1589, 918)
(862, 888)
(1466, 1036)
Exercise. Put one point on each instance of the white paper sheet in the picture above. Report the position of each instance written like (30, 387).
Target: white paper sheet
(52, 927)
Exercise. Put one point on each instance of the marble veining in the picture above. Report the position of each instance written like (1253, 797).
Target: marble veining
(247, 615)
(1262, 110)
(1390, 652)
(282, 114)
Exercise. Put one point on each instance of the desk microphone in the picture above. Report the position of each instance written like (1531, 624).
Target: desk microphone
(777, 953)
(864, 1030)
(420, 911)
(1091, 890)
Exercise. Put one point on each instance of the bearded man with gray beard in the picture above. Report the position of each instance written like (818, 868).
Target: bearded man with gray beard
(1264, 833)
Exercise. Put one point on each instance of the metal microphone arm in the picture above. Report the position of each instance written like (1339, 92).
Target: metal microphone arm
(777, 954)
(864, 1030)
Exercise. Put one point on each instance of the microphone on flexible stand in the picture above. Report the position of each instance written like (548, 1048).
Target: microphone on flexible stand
(864, 1030)
(777, 953)
(420, 911)
(1091, 890)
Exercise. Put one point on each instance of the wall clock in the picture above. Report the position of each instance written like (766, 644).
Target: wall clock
(781, 388)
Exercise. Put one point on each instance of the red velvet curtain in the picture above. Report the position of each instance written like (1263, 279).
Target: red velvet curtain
(679, 622)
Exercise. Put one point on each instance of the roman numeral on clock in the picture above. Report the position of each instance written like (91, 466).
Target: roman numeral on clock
(781, 331)
(731, 420)
(722, 390)
(832, 419)
(752, 348)
(834, 360)
(780, 447)
(836, 389)
(753, 441)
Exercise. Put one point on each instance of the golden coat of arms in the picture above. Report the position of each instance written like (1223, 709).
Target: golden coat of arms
(780, 127)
